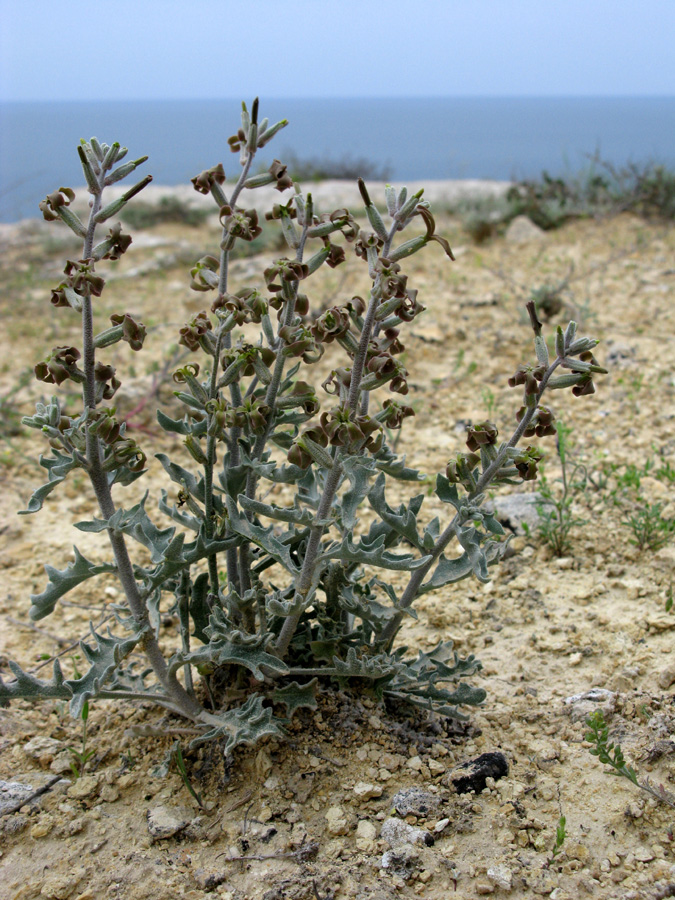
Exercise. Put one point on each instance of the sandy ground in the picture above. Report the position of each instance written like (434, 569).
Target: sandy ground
(308, 818)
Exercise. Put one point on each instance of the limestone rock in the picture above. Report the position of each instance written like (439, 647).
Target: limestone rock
(165, 822)
(415, 801)
(397, 832)
(337, 822)
(366, 791)
(522, 230)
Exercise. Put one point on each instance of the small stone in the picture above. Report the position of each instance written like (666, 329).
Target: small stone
(336, 821)
(11, 792)
(84, 787)
(61, 887)
(577, 851)
(522, 230)
(414, 801)
(366, 791)
(207, 881)
(263, 763)
(667, 677)
(42, 828)
(414, 763)
(501, 876)
(517, 511)
(396, 832)
(441, 825)
(366, 834)
(582, 705)
(471, 776)
(165, 822)
(435, 767)
(643, 854)
(401, 860)
(484, 887)
(109, 793)
(43, 749)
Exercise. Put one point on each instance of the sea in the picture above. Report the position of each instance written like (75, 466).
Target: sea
(415, 139)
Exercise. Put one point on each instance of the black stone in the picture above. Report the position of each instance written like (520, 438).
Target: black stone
(471, 776)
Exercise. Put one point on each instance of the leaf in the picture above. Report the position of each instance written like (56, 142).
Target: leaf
(174, 513)
(104, 657)
(373, 554)
(181, 476)
(58, 465)
(295, 696)
(184, 426)
(28, 687)
(447, 492)
(265, 539)
(389, 463)
(281, 514)
(359, 470)
(371, 667)
(403, 521)
(245, 725)
(62, 581)
(137, 524)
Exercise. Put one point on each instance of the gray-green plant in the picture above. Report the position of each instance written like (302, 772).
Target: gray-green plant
(556, 519)
(610, 754)
(265, 557)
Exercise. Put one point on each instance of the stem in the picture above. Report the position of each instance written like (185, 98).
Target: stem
(306, 577)
(101, 486)
(389, 632)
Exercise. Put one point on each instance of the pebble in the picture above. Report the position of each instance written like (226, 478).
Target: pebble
(414, 801)
(366, 835)
(401, 860)
(84, 787)
(337, 822)
(11, 792)
(397, 832)
(42, 827)
(583, 704)
(501, 876)
(472, 775)
(667, 677)
(366, 791)
(43, 749)
(165, 822)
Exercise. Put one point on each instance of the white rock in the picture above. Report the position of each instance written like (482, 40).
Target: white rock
(501, 876)
(366, 791)
(43, 749)
(396, 832)
(522, 230)
(164, 821)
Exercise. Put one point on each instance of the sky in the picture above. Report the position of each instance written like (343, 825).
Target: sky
(207, 49)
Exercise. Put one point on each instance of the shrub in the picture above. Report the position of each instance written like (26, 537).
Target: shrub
(274, 596)
(168, 209)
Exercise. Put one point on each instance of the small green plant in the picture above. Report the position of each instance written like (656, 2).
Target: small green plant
(556, 520)
(180, 765)
(273, 599)
(81, 756)
(610, 754)
(651, 530)
(560, 836)
(669, 597)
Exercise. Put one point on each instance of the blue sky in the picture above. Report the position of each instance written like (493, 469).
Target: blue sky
(184, 49)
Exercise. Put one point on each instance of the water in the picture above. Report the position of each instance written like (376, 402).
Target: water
(446, 138)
